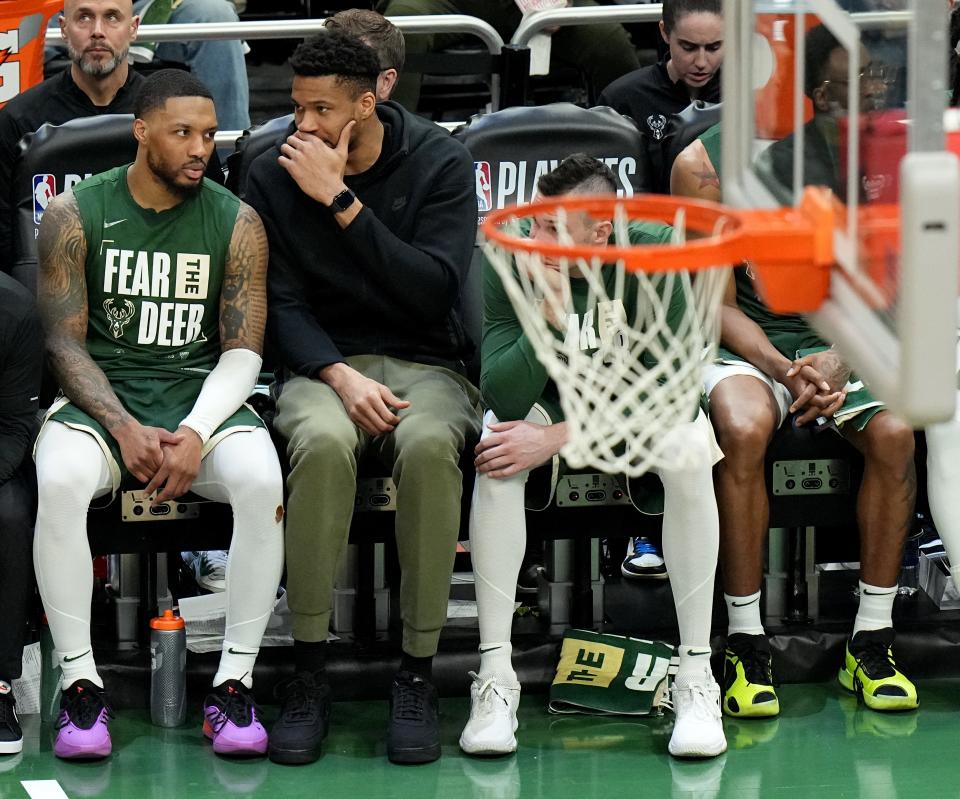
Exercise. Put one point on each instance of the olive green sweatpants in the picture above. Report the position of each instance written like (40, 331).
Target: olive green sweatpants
(324, 446)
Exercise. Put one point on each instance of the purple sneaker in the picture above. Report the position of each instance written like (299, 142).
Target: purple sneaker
(230, 720)
(81, 727)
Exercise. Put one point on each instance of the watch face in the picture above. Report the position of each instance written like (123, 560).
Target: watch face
(344, 200)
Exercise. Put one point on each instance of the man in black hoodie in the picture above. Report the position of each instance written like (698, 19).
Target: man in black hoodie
(371, 217)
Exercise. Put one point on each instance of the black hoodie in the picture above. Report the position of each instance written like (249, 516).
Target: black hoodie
(390, 282)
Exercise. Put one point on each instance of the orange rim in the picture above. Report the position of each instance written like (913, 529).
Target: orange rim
(702, 218)
(791, 248)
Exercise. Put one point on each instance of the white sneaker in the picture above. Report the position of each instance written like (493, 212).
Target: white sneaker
(209, 569)
(698, 729)
(493, 718)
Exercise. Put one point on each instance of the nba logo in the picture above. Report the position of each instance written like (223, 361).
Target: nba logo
(44, 190)
(484, 197)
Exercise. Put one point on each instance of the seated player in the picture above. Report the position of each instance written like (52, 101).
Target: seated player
(21, 358)
(525, 428)
(152, 290)
(758, 381)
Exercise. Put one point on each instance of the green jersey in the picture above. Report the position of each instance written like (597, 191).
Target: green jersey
(153, 280)
(512, 379)
(154, 277)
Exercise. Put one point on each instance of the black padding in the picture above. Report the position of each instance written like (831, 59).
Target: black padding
(252, 143)
(683, 128)
(64, 155)
(517, 145)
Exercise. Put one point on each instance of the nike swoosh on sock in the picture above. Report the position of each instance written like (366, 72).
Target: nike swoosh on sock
(75, 657)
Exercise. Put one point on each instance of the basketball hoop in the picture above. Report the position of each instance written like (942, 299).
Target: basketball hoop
(632, 372)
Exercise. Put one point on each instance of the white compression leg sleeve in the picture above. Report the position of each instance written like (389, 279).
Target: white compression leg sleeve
(943, 486)
(244, 471)
(691, 534)
(71, 471)
(498, 538)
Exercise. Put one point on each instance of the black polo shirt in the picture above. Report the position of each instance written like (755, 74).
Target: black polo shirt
(56, 100)
(650, 97)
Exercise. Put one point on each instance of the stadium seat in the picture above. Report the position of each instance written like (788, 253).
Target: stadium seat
(681, 129)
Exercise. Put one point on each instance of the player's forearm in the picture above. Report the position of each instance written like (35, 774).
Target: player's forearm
(85, 384)
(740, 334)
(227, 386)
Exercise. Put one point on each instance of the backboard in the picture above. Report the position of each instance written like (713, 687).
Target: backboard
(852, 95)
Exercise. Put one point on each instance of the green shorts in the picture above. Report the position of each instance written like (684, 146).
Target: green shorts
(155, 402)
(858, 409)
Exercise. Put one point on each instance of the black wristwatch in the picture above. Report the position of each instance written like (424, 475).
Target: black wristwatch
(343, 201)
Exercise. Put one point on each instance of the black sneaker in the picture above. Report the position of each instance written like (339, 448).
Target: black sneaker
(643, 560)
(304, 719)
(414, 733)
(11, 736)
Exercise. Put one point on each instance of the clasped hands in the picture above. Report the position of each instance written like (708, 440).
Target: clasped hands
(167, 462)
(817, 383)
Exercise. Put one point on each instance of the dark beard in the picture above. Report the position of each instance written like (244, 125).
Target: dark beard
(166, 175)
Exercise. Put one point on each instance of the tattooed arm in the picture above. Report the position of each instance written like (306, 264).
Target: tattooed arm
(62, 292)
(243, 302)
(693, 174)
(243, 313)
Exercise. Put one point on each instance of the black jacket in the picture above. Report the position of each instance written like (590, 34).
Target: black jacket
(21, 357)
(650, 98)
(390, 282)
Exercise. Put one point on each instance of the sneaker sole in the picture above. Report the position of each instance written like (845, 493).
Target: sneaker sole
(490, 750)
(81, 754)
(699, 751)
(762, 710)
(295, 757)
(644, 575)
(11, 747)
(412, 756)
(883, 704)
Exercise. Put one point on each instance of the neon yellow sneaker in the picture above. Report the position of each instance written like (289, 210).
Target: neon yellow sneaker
(748, 678)
(870, 671)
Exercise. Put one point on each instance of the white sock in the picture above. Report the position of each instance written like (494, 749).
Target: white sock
(71, 471)
(243, 470)
(78, 665)
(876, 607)
(694, 666)
(743, 614)
(236, 663)
(495, 661)
(691, 534)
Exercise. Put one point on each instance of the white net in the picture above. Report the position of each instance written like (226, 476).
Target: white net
(624, 348)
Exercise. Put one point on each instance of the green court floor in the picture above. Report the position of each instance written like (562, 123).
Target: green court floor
(824, 746)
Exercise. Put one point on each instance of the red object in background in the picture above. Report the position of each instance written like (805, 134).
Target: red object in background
(773, 112)
(100, 568)
(23, 27)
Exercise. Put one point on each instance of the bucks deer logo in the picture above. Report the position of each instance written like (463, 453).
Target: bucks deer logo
(118, 317)
(656, 123)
